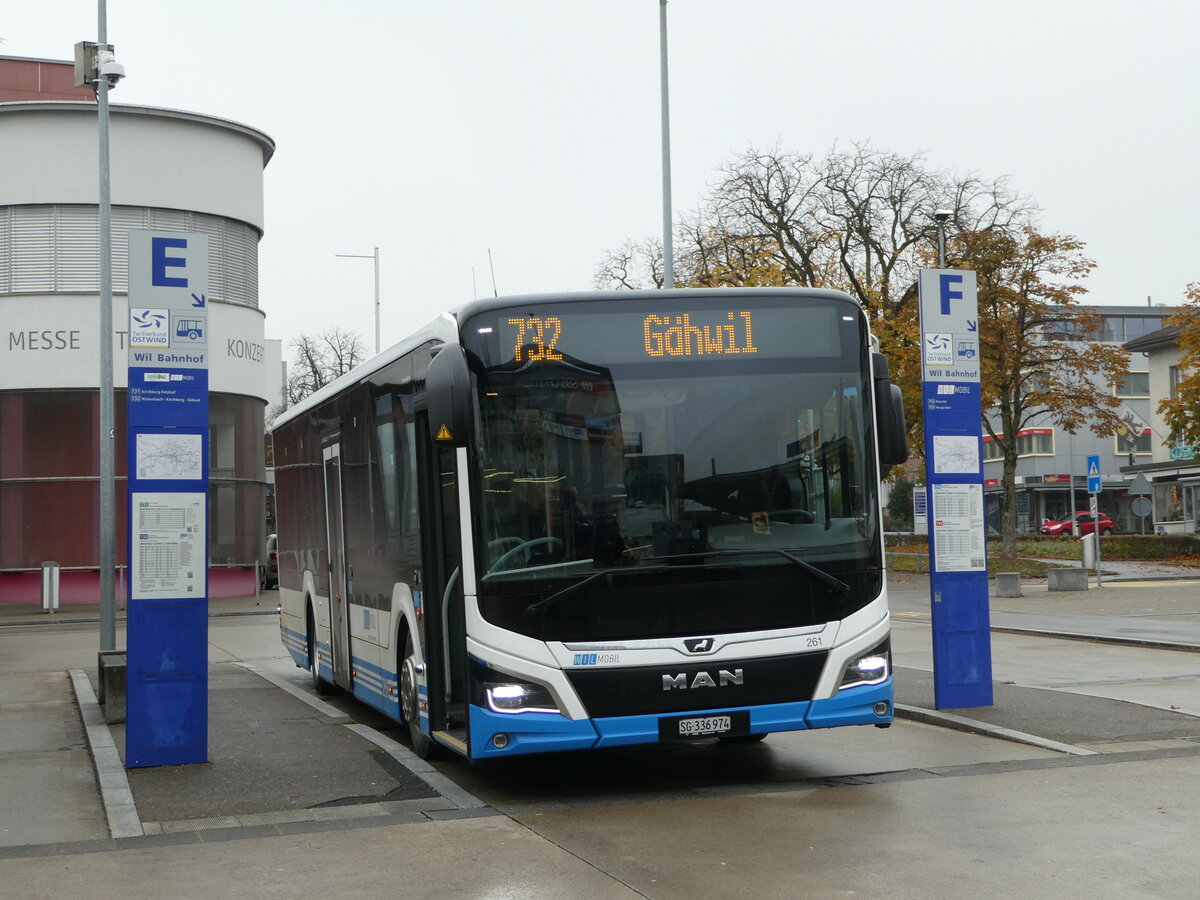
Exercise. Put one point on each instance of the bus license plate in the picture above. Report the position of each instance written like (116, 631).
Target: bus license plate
(683, 727)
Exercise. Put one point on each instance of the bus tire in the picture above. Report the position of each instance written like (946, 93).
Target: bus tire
(410, 706)
(319, 684)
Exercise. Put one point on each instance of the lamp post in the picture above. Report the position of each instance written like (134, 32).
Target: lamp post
(668, 240)
(942, 216)
(374, 256)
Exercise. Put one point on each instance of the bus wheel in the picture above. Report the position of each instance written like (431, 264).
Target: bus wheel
(319, 684)
(410, 705)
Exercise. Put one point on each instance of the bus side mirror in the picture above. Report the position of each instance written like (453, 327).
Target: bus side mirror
(448, 397)
(897, 443)
(889, 416)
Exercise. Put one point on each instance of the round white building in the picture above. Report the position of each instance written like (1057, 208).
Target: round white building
(170, 171)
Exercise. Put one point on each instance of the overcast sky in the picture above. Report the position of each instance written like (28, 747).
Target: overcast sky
(438, 131)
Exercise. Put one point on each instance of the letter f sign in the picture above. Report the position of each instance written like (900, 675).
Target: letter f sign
(947, 293)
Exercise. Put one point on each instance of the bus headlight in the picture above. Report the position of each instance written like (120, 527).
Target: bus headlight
(870, 668)
(519, 697)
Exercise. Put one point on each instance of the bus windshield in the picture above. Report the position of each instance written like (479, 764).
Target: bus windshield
(691, 469)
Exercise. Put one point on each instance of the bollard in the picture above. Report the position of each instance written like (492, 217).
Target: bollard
(50, 582)
(1066, 580)
(1088, 547)
(111, 684)
(1008, 584)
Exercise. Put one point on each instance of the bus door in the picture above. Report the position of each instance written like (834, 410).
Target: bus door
(446, 647)
(339, 620)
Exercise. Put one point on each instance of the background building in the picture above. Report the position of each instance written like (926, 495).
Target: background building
(1052, 467)
(170, 170)
(1173, 469)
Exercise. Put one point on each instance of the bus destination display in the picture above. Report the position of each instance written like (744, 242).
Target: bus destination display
(624, 336)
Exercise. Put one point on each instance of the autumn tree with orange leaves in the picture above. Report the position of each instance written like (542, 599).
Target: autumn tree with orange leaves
(1181, 411)
(1037, 361)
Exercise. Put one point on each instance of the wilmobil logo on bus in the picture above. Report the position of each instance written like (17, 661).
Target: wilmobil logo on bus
(701, 680)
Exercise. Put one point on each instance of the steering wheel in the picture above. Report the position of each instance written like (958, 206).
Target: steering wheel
(520, 548)
(510, 541)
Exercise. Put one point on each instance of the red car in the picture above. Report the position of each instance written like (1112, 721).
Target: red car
(1081, 523)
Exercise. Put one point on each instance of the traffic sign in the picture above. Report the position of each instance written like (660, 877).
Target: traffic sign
(949, 307)
(951, 400)
(1093, 474)
(1141, 486)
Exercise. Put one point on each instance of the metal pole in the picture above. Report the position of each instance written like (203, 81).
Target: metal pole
(108, 617)
(375, 257)
(668, 247)
(376, 301)
(1071, 468)
(941, 244)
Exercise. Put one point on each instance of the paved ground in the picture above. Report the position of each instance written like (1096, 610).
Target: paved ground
(270, 748)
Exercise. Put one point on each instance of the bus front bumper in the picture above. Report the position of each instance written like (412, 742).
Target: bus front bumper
(499, 734)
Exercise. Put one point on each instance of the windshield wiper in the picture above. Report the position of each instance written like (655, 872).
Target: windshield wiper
(820, 575)
(554, 599)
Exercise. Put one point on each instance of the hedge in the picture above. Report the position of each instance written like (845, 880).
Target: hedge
(1116, 546)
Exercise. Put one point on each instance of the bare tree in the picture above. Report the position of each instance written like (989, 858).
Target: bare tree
(632, 266)
(319, 360)
(859, 220)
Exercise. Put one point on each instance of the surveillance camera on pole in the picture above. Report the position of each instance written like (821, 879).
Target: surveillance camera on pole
(108, 68)
(94, 61)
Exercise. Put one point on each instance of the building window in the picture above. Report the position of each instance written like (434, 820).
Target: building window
(1139, 326)
(1112, 331)
(1168, 502)
(1135, 384)
(1143, 443)
(1030, 442)
(1035, 442)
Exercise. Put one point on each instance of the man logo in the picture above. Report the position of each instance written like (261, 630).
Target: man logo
(701, 680)
(698, 645)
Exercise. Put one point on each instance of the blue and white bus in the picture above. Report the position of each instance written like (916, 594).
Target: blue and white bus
(560, 522)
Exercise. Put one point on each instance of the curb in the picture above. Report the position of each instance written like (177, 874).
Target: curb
(120, 811)
(973, 726)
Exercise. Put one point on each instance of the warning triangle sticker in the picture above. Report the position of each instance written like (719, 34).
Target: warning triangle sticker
(444, 434)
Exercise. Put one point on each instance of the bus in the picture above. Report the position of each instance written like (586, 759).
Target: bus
(575, 521)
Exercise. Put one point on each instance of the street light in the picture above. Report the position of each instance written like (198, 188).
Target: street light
(668, 238)
(942, 216)
(374, 256)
